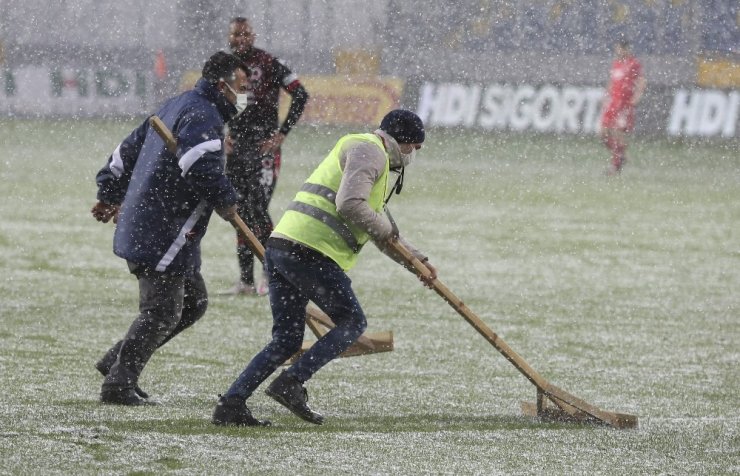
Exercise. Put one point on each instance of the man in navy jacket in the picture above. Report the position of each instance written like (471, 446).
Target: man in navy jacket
(162, 203)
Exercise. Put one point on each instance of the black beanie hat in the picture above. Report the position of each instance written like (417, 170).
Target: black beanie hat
(404, 126)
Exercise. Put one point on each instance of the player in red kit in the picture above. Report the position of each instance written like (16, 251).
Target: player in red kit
(626, 85)
(253, 143)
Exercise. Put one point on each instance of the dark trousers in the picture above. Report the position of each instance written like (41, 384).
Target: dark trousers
(168, 304)
(254, 177)
(295, 278)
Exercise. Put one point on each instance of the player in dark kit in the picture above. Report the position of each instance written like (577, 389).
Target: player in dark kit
(253, 144)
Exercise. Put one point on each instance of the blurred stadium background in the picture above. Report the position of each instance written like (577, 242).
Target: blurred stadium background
(488, 64)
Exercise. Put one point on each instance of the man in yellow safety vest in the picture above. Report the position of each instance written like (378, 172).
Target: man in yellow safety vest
(340, 207)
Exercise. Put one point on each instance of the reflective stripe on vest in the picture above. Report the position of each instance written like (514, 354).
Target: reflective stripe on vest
(320, 190)
(339, 227)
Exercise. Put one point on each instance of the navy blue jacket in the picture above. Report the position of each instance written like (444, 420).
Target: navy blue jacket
(167, 199)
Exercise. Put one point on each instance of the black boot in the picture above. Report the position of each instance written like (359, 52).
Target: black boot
(289, 392)
(106, 362)
(234, 411)
(122, 396)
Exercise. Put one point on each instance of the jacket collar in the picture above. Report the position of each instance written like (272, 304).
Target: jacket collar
(391, 146)
(209, 91)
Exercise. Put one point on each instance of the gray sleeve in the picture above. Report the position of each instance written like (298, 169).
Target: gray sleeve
(363, 164)
(418, 254)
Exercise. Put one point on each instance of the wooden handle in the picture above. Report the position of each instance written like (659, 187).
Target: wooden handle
(562, 398)
(164, 133)
(252, 241)
(467, 314)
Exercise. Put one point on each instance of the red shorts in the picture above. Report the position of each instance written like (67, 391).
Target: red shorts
(618, 116)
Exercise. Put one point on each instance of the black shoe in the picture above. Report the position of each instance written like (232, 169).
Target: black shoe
(104, 367)
(289, 392)
(234, 411)
(122, 396)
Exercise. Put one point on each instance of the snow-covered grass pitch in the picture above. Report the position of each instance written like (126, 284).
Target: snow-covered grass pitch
(622, 291)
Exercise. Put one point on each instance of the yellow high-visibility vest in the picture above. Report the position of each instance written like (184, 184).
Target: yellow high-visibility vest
(312, 218)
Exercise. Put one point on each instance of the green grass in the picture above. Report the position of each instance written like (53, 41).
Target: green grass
(623, 291)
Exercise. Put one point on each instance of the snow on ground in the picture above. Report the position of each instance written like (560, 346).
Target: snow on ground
(622, 292)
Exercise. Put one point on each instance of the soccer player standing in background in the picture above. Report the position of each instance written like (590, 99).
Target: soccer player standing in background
(626, 85)
(253, 145)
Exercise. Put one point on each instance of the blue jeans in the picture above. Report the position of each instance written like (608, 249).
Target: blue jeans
(295, 278)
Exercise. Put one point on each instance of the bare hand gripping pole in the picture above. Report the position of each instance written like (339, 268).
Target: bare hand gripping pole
(316, 320)
(567, 407)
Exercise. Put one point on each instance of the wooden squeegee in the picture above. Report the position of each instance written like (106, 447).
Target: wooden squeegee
(552, 403)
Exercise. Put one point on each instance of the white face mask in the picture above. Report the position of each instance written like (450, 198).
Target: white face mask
(407, 158)
(242, 100)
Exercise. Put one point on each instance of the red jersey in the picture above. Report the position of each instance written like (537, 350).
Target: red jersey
(623, 76)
